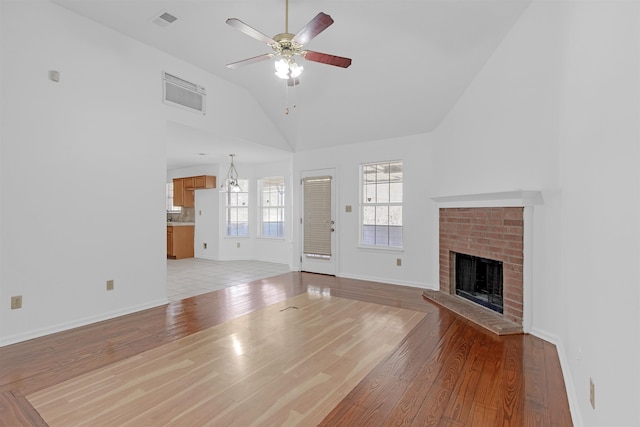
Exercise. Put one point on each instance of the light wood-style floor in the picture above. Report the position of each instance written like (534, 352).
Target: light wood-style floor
(290, 363)
(385, 355)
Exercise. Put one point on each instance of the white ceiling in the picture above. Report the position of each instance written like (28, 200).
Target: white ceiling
(412, 60)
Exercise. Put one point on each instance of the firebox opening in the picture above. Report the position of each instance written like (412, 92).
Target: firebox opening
(479, 280)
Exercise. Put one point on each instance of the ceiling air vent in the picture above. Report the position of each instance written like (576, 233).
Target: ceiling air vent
(164, 19)
(183, 94)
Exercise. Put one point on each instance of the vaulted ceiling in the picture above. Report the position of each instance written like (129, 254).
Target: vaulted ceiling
(412, 60)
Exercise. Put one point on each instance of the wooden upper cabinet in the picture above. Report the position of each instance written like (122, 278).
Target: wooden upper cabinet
(205, 181)
(184, 189)
(189, 183)
(189, 192)
(178, 192)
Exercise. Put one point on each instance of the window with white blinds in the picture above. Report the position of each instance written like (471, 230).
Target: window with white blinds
(317, 215)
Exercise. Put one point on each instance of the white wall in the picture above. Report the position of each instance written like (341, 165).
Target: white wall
(4, 296)
(557, 110)
(83, 167)
(76, 211)
(419, 255)
(600, 208)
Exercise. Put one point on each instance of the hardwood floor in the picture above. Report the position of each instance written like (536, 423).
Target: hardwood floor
(445, 372)
(288, 363)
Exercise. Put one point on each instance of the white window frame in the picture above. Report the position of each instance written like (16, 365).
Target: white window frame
(233, 210)
(381, 202)
(276, 189)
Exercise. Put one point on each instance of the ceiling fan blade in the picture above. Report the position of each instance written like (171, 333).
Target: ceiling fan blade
(248, 61)
(324, 58)
(313, 28)
(293, 82)
(250, 31)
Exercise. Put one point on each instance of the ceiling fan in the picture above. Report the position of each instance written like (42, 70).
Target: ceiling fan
(287, 46)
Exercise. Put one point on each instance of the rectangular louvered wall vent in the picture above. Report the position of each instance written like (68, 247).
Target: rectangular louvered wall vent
(181, 93)
(164, 19)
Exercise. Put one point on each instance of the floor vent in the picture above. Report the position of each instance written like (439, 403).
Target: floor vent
(181, 93)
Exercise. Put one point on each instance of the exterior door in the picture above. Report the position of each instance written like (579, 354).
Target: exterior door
(318, 222)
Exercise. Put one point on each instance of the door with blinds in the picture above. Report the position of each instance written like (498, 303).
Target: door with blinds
(318, 225)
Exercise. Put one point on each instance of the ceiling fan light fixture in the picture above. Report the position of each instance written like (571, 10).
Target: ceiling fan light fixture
(295, 69)
(282, 68)
(287, 68)
(287, 45)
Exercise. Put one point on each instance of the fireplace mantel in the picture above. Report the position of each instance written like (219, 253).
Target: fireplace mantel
(518, 198)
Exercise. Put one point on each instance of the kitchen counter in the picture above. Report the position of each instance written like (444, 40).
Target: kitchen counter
(178, 224)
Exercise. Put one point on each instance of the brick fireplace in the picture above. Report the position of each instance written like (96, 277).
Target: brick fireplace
(492, 226)
(495, 233)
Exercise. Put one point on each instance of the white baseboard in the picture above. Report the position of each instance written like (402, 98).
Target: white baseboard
(36, 333)
(566, 373)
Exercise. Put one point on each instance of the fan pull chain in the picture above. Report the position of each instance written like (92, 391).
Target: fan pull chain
(286, 98)
(294, 93)
(286, 92)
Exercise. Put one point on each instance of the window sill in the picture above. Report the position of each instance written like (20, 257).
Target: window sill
(271, 238)
(388, 249)
(237, 237)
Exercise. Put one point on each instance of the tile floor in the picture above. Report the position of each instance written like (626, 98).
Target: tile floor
(194, 276)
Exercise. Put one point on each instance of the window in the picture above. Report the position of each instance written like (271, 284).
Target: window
(381, 204)
(170, 207)
(237, 210)
(271, 206)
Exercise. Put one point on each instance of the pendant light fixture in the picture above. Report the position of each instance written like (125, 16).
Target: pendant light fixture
(232, 178)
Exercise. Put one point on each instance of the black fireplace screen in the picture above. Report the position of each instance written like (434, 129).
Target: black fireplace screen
(479, 280)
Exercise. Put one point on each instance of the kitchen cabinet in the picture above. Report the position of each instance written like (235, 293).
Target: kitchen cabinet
(169, 242)
(184, 189)
(189, 198)
(183, 192)
(205, 181)
(180, 241)
(178, 192)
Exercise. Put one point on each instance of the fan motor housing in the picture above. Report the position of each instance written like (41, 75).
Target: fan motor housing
(285, 44)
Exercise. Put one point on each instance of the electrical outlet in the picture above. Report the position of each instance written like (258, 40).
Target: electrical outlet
(592, 393)
(204, 246)
(109, 285)
(16, 302)
(238, 245)
(399, 262)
